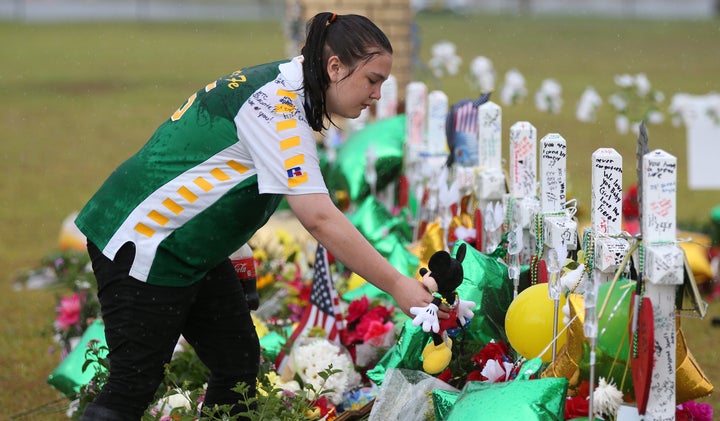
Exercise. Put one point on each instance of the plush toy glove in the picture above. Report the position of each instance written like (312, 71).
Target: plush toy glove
(427, 317)
(464, 311)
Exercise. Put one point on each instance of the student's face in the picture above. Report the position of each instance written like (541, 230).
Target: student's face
(347, 96)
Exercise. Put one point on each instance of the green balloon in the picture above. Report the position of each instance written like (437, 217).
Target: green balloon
(613, 323)
(443, 401)
(539, 399)
(404, 354)
(485, 282)
(386, 138)
(377, 223)
(272, 343)
(69, 376)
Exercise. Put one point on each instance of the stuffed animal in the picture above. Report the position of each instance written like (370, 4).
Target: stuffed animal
(442, 277)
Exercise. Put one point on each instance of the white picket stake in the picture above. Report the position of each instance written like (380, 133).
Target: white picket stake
(437, 110)
(490, 136)
(558, 229)
(606, 251)
(489, 181)
(606, 214)
(387, 105)
(522, 201)
(663, 271)
(415, 112)
(523, 160)
(413, 162)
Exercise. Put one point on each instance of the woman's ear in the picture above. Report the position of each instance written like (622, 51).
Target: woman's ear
(334, 68)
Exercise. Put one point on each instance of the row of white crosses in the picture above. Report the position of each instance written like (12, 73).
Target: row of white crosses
(479, 172)
(546, 222)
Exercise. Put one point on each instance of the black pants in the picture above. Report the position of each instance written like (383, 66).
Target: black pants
(143, 323)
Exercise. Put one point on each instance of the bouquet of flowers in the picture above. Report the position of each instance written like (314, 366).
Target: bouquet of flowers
(369, 332)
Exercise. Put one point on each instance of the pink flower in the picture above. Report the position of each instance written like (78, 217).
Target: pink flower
(696, 411)
(376, 332)
(69, 311)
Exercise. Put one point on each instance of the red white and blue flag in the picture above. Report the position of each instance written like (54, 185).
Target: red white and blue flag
(323, 311)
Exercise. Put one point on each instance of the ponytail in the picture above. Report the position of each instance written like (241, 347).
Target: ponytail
(352, 38)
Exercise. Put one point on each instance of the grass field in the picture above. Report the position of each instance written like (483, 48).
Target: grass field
(77, 99)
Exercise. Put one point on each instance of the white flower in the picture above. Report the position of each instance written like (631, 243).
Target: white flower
(180, 399)
(548, 98)
(618, 102)
(658, 96)
(483, 73)
(513, 90)
(622, 124)
(444, 60)
(607, 399)
(589, 102)
(642, 84)
(655, 117)
(316, 356)
(624, 80)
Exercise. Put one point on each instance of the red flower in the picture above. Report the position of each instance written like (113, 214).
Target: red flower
(576, 407)
(69, 311)
(492, 351)
(381, 312)
(475, 376)
(357, 308)
(445, 375)
(630, 208)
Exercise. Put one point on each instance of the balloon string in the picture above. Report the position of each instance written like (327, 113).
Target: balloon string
(557, 336)
(629, 358)
(615, 360)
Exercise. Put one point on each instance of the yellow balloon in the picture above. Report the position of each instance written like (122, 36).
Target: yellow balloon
(699, 261)
(529, 323)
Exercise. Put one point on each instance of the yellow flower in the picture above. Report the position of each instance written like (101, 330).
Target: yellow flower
(260, 255)
(265, 280)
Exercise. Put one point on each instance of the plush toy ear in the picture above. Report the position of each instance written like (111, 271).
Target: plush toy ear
(439, 261)
(460, 255)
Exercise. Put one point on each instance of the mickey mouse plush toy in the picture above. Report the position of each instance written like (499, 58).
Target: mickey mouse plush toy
(445, 274)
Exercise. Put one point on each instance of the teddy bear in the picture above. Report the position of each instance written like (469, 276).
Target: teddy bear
(442, 277)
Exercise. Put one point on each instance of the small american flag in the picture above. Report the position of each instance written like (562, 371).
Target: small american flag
(466, 118)
(323, 310)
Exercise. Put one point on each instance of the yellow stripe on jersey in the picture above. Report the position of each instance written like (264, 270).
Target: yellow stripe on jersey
(237, 166)
(144, 230)
(286, 124)
(219, 174)
(187, 194)
(290, 142)
(295, 161)
(297, 180)
(286, 93)
(172, 206)
(210, 86)
(203, 184)
(158, 217)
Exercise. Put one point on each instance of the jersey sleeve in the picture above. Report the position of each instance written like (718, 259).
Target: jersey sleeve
(273, 126)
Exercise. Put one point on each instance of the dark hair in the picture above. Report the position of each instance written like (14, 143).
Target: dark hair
(353, 38)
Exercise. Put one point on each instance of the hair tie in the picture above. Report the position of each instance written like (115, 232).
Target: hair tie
(332, 19)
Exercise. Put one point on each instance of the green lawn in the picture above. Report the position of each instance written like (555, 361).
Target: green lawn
(77, 99)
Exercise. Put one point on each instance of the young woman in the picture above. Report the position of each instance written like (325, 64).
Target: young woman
(161, 227)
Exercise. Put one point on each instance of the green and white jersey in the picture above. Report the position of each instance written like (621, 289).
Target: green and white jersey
(209, 177)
